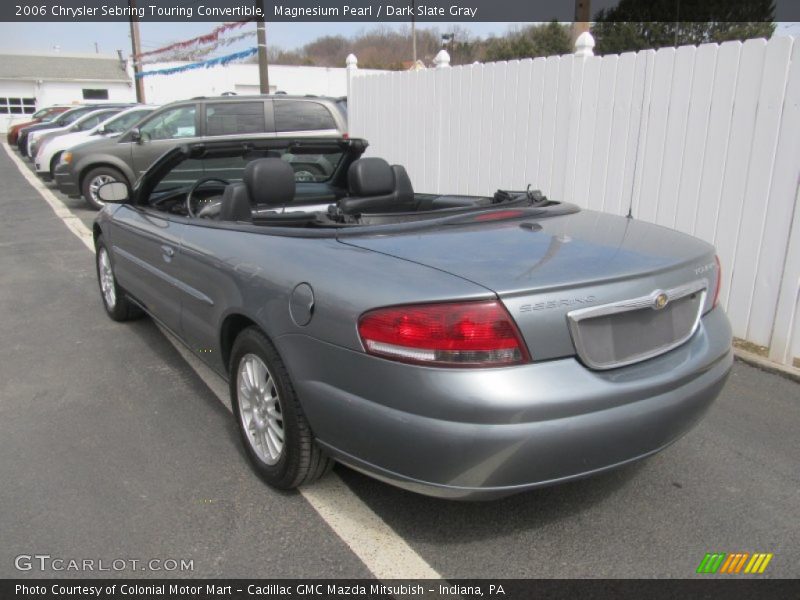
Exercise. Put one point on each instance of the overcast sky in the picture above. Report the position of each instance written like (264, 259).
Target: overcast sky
(110, 37)
(81, 37)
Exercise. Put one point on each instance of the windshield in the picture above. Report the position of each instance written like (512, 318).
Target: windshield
(123, 122)
(309, 167)
(69, 117)
(43, 114)
(208, 171)
(92, 120)
(51, 116)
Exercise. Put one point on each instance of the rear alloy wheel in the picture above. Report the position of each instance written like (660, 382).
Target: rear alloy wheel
(94, 179)
(273, 428)
(118, 307)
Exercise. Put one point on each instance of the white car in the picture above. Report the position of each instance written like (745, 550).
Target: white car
(50, 152)
(88, 121)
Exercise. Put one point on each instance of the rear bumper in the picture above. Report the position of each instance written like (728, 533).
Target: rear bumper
(478, 434)
(66, 181)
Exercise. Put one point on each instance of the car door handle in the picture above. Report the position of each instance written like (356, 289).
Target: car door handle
(169, 252)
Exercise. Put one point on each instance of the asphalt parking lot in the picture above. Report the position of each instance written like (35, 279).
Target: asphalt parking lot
(113, 446)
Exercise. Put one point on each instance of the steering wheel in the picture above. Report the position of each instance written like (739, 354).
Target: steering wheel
(197, 184)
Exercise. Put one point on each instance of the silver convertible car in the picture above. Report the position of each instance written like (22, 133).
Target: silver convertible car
(457, 346)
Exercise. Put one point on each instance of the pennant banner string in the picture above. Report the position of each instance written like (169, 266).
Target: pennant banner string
(212, 62)
(222, 42)
(208, 38)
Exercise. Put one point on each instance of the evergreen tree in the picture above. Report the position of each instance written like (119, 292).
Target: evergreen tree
(639, 24)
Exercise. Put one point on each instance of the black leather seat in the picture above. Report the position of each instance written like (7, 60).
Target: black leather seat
(265, 182)
(376, 187)
(235, 203)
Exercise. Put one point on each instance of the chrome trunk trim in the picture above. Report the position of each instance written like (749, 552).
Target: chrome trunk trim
(656, 300)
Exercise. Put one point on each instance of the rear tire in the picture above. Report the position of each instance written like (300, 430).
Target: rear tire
(117, 305)
(94, 179)
(276, 435)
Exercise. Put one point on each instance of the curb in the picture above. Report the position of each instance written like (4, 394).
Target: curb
(767, 365)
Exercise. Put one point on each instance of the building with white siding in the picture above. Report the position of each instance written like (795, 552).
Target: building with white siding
(30, 82)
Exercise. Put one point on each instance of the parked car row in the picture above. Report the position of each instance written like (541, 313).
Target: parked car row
(84, 146)
(44, 115)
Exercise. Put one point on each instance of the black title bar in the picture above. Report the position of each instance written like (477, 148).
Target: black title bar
(395, 10)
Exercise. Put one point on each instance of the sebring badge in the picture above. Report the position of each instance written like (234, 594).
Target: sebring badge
(660, 301)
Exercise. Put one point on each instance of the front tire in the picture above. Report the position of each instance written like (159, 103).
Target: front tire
(274, 430)
(94, 179)
(117, 306)
(54, 163)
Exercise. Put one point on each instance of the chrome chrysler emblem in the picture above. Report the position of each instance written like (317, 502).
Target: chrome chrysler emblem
(660, 301)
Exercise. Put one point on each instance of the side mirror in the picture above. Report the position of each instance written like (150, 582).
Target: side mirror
(136, 135)
(114, 192)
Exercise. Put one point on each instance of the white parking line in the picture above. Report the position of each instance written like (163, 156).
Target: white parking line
(74, 224)
(383, 552)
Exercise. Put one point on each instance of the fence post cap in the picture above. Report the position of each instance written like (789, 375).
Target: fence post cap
(584, 45)
(442, 59)
(351, 60)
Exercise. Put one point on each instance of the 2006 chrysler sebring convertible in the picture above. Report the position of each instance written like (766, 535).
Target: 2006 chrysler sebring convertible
(458, 346)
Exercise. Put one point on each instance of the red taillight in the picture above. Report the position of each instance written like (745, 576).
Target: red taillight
(719, 282)
(457, 334)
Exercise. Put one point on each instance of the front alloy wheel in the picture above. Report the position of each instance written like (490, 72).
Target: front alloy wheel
(106, 276)
(117, 306)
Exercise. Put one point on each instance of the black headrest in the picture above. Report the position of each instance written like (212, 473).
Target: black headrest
(370, 177)
(269, 181)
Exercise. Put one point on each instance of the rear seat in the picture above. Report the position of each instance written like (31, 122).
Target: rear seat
(376, 187)
(266, 182)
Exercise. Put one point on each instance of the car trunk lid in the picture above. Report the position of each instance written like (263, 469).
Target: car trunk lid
(547, 270)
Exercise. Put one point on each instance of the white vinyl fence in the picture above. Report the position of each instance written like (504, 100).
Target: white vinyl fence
(703, 139)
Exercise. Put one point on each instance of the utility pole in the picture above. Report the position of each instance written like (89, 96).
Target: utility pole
(583, 16)
(263, 65)
(136, 46)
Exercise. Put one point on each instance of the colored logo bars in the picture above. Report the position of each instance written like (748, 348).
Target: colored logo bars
(734, 563)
